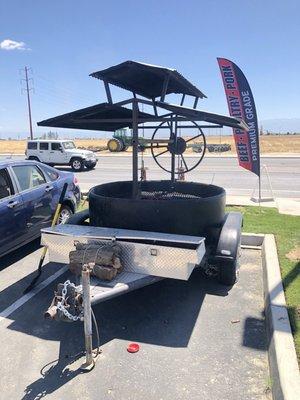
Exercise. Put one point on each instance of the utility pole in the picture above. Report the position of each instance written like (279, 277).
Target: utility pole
(27, 90)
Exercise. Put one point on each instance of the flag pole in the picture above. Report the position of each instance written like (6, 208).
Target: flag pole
(259, 188)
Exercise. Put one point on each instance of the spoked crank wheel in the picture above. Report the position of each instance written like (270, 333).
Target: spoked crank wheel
(163, 152)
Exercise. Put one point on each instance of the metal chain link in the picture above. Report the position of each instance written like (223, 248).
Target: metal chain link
(211, 270)
(60, 305)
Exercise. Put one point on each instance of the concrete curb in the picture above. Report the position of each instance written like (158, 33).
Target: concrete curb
(283, 363)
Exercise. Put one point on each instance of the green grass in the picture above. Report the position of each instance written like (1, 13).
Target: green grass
(286, 229)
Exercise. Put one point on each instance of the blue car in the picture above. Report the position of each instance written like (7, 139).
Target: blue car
(29, 193)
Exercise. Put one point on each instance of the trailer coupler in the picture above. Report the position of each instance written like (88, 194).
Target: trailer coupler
(66, 305)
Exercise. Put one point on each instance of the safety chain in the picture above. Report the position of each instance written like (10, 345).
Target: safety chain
(211, 270)
(62, 308)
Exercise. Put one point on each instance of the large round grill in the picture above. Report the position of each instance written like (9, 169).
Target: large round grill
(185, 208)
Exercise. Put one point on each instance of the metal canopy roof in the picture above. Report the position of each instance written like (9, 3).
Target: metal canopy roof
(90, 118)
(110, 117)
(147, 80)
(193, 114)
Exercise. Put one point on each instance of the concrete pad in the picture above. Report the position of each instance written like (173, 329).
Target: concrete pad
(288, 206)
(198, 340)
(246, 201)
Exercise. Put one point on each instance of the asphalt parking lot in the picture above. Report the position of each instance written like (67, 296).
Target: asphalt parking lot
(197, 339)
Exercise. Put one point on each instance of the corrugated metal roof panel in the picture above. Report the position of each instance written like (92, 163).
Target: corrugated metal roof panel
(147, 80)
(90, 118)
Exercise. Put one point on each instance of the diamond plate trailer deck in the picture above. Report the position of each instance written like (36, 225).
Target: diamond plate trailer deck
(147, 256)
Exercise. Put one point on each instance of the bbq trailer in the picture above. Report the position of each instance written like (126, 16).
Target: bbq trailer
(137, 232)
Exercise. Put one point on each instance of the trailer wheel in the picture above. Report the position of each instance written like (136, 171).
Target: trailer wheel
(229, 270)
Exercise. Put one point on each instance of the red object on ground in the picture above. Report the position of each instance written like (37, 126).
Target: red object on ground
(133, 348)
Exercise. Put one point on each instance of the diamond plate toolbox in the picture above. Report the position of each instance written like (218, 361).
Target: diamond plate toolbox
(158, 254)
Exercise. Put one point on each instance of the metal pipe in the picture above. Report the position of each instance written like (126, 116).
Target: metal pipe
(154, 108)
(195, 102)
(107, 90)
(135, 144)
(165, 87)
(51, 313)
(183, 126)
(160, 118)
(87, 319)
(124, 288)
(182, 99)
(174, 137)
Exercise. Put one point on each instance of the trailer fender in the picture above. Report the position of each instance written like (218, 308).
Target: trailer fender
(230, 236)
(79, 218)
(228, 248)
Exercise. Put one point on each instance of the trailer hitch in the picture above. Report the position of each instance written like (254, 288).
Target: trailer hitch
(66, 305)
(72, 303)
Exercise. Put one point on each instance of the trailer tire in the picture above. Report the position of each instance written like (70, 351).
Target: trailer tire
(228, 272)
(229, 269)
(79, 218)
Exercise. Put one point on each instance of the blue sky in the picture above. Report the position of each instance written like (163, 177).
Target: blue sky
(65, 40)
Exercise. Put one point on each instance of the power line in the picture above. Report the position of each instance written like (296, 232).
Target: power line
(64, 91)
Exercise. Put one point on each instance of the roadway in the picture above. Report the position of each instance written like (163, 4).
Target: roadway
(284, 174)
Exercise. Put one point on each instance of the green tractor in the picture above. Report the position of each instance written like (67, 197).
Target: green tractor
(121, 140)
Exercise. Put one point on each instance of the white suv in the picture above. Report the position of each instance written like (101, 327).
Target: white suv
(60, 152)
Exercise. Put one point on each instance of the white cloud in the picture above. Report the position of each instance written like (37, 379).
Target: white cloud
(9, 44)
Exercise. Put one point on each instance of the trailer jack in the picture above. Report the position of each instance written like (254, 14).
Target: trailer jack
(87, 320)
(72, 304)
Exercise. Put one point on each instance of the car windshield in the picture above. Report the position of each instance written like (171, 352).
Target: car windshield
(69, 145)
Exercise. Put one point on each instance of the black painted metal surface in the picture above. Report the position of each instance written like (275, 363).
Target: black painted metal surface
(147, 80)
(100, 117)
(180, 208)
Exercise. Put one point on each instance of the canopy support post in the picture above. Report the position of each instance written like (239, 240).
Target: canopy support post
(174, 137)
(107, 90)
(135, 145)
(165, 87)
